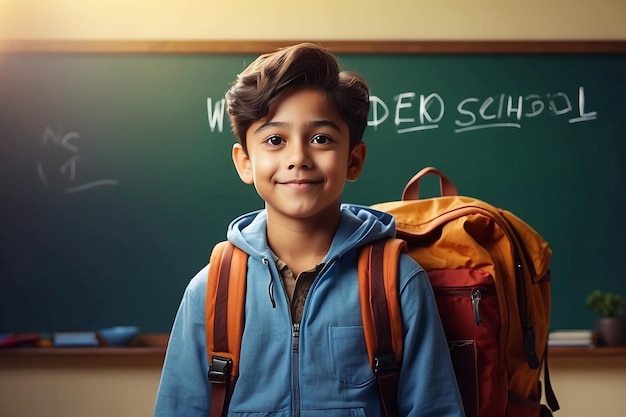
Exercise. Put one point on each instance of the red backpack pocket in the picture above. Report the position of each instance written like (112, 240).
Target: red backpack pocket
(469, 311)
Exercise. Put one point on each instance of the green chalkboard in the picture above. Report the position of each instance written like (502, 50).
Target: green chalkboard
(116, 179)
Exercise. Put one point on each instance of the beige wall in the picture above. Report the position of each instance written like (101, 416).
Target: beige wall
(586, 386)
(311, 20)
(82, 392)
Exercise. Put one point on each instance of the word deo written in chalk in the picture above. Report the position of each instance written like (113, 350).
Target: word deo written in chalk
(412, 112)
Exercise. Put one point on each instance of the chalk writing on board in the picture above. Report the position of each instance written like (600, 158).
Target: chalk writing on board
(66, 170)
(493, 110)
(412, 112)
(216, 114)
(472, 113)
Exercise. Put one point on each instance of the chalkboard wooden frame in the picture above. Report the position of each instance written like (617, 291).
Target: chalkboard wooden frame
(339, 46)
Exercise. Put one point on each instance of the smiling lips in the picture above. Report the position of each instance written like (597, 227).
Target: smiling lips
(300, 184)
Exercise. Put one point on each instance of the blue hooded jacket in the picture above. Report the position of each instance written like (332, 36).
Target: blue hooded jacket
(325, 370)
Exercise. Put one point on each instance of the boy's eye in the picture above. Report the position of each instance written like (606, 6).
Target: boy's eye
(274, 140)
(320, 139)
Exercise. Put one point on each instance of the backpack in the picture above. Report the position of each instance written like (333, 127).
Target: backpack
(489, 272)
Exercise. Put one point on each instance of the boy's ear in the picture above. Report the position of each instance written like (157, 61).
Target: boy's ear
(242, 164)
(356, 161)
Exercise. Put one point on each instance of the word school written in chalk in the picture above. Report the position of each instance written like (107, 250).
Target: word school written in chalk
(411, 112)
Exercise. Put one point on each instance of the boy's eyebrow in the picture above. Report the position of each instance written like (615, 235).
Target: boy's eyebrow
(285, 125)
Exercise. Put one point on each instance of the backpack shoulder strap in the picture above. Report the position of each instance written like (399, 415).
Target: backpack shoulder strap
(381, 315)
(380, 311)
(224, 313)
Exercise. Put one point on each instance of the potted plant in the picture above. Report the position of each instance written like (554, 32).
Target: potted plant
(611, 325)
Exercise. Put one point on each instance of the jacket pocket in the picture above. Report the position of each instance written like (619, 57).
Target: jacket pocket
(348, 355)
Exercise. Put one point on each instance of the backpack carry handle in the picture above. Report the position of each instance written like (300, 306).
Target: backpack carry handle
(411, 191)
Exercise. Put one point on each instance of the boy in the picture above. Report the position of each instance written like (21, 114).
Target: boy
(299, 121)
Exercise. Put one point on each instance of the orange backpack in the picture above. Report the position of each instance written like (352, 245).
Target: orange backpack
(489, 272)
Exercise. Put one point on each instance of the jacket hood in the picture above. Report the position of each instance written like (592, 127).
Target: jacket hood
(358, 225)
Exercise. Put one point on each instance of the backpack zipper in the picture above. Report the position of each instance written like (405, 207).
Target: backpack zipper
(475, 294)
(476, 297)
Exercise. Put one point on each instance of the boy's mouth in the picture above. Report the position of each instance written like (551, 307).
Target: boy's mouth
(300, 184)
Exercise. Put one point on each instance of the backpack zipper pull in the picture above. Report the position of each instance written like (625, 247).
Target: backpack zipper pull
(476, 297)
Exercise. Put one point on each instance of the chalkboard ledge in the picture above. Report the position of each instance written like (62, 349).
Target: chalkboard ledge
(588, 352)
(149, 349)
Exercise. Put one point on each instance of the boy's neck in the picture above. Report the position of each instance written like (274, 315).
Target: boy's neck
(301, 244)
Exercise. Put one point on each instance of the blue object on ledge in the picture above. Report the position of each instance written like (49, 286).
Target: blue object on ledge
(74, 339)
(119, 335)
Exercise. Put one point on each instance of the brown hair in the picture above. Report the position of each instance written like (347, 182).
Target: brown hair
(305, 65)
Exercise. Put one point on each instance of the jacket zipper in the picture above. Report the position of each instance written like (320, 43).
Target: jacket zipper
(295, 366)
(296, 335)
(295, 345)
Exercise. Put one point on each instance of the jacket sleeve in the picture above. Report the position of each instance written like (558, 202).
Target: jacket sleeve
(427, 384)
(184, 388)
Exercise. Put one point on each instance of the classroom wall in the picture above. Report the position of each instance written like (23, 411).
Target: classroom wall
(289, 20)
(322, 19)
(585, 387)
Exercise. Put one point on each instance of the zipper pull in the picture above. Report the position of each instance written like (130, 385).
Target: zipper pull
(476, 297)
(295, 333)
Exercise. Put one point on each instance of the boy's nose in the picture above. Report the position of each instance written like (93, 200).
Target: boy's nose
(299, 157)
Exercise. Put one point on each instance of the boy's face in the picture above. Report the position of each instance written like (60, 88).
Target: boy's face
(299, 158)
